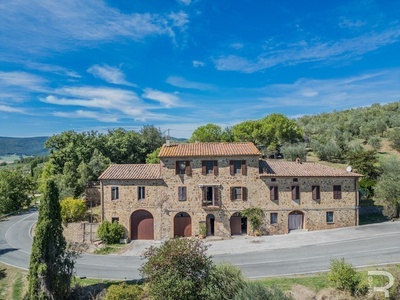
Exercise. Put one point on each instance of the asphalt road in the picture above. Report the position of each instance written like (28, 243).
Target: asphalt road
(309, 252)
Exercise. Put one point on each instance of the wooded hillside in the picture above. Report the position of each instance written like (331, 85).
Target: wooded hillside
(23, 146)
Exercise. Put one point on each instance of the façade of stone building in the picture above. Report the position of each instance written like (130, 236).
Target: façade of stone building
(211, 183)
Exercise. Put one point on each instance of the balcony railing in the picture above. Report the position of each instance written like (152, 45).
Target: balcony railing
(211, 204)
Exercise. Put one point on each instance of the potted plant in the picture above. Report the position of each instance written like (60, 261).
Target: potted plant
(202, 230)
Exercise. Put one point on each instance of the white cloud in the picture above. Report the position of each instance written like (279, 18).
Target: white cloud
(236, 46)
(9, 109)
(51, 69)
(185, 2)
(197, 63)
(45, 24)
(347, 23)
(167, 99)
(313, 51)
(186, 84)
(109, 74)
(87, 115)
(21, 80)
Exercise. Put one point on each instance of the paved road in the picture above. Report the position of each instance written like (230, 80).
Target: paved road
(298, 253)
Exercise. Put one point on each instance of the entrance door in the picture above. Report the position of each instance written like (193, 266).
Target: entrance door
(210, 225)
(142, 225)
(295, 220)
(182, 225)
(238, 224)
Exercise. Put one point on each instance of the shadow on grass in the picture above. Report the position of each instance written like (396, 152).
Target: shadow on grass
(96, 290)
(373, 218)
(2, 273)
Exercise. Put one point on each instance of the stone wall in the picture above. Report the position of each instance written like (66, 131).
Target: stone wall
(80, 232)
(162, 198)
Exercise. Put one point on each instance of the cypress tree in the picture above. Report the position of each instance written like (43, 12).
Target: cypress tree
(51, 265)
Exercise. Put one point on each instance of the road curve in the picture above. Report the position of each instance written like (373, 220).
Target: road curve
(308, 252)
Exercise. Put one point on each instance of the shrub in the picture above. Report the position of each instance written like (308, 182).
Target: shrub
(73, 210)
(225, 282)
(293, 151)
(178, 269)
(254, 215)
(344, 275)
(124, 291)
(110, 233)
(258, 291)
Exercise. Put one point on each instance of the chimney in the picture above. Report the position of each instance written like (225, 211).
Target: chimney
(167, 141)
(298, 160)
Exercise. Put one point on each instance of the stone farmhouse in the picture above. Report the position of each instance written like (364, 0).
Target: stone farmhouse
(211, 183)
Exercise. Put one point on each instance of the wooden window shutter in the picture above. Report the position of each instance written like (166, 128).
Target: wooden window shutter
(244, 193)
(188, 170)
(176, 167)
(216, 194)
(203, 191)
(295, 192)
(244, 167)
(232, 167)
(272, 192)
(203, 168)
(215, 167)
(314, 192)
(232, 193)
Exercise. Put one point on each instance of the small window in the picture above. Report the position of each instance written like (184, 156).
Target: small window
(295, 192)
(182, 193)
(295, 179)
(114, 220)
(114, 193)
(337, 192)
(329, 217)
(238, 167)
(273, 193)
(273, 179)
(210, 167)
(316, 193)
(182, 167)
(141, 193)
(274, 218)
(239, 193)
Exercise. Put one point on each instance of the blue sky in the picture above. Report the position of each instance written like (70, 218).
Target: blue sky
(179, 64)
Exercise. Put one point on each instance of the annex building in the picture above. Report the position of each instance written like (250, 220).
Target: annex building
(211, 183)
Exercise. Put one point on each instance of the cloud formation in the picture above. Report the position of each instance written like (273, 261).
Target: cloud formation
(109, 74)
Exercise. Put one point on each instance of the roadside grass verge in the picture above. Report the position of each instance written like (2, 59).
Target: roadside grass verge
(13, 282)
(108, 249)
(314, 282)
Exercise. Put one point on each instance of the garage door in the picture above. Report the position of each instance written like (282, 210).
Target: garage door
(142, 225)
(182, 225)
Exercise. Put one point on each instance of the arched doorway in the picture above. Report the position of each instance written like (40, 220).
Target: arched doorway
(142, 225)
(210, 225)
(238, 224)
(296, 220)
(182, 225)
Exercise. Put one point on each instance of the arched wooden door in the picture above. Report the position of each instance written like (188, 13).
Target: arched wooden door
(142, 225)
(182, 225)
(296, 220)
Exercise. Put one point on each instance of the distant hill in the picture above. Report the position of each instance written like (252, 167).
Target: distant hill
(23, 146)
(179, 140)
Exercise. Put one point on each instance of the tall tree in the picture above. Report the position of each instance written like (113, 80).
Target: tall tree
(207, 133)
(51, 264)
(15, 188)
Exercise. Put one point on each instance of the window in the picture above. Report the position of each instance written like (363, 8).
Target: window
(210, 167)
(316, 194)
(182, 193)
(274, 218)
(114, 219)
(329, 217)
(238, 167)
(295, 192)
(295, 179)
(182, 167)
(239, 193)
(210, 196)
(273, 179)
(141, 192)
(114, 193)
(337, 192)
(273, 192)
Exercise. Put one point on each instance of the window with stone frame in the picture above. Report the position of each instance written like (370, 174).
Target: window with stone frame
(114, 219)
(329, 217)
(274, 218)
(210, 196)
(239, 193)
(182, 167)
(273, 193)
(141, 192)
(209, 167)
(182, 196)
(337, 192)
(114, 193)
(295, 192)
(238, 167)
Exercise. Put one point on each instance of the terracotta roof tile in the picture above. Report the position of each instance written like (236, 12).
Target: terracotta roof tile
(279, 168)
(209, 149)
(132, 171)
